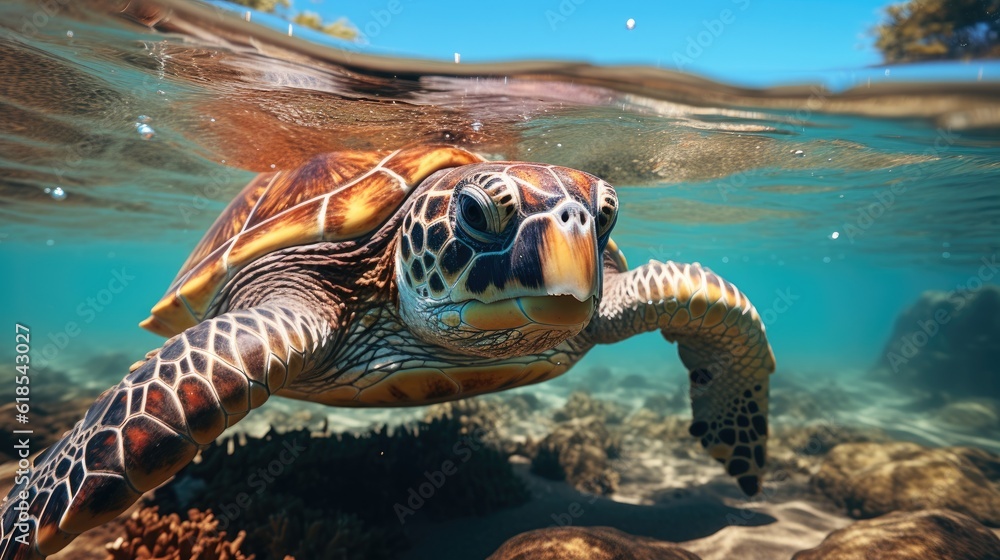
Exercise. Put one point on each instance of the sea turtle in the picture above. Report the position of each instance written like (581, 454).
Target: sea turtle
(392, 279)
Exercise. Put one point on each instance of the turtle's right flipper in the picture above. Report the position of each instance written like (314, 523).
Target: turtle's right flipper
(152, 424)
(720, 339)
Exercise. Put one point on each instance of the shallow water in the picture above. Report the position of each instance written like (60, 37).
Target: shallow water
(833, 212)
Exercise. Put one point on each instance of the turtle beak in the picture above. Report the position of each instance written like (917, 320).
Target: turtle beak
(568, 253)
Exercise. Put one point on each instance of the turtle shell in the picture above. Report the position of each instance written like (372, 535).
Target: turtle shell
(334, 197)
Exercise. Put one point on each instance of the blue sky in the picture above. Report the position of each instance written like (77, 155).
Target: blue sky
(753, 42)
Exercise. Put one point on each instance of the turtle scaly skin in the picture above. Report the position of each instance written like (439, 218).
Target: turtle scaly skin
(364, 279)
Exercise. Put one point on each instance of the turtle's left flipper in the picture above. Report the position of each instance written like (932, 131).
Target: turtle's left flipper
(721, 341)
(140, 433)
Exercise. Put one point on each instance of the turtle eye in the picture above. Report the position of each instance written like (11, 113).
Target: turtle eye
(477, 215)
(607, 213)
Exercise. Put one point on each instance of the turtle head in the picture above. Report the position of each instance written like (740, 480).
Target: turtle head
(503, 259)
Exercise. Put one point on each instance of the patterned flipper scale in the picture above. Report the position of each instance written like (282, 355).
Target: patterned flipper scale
(143, 431)
(721, 341)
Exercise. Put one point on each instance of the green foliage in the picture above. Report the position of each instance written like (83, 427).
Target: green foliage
(940, 30)
(342, 29)
(263, 5)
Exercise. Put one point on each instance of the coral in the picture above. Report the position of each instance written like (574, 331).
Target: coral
(947, 342)
(939, 534)
(871, 479)
(353, 492)
(150, 535)
(485, 414)
(587, 543)
(649, 424)
(580, 452)
(581, 405)
(801, 448)
(310, 534)
(662, 403)
(523, 403)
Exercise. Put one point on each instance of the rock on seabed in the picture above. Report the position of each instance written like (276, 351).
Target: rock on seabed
(933, 534)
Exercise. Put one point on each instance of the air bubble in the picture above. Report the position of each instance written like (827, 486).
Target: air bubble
(145, 131)
(835, 235)
(826, 259)
(56, 193)
(144, 118)
(50, 242)
(630, 24)
(69, 33)
(477, 126)
(725, 259)
(798, 153)
(946, 255)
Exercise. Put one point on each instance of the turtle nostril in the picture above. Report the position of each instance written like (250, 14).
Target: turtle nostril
(565, 216)
(583, 218)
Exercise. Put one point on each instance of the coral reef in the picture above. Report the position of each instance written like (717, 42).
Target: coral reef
(662, 403)
(802, 448)
(523, 404)
(306, 495)
(150, 535)
(938, 534)
(587, 543)
(872, 479)
(582, 405)
(653, 425)
(310, 534)
(947, 342)
(484, 414)
(580, 452)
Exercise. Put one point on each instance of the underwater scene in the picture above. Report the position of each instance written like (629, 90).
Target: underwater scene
(558, 280)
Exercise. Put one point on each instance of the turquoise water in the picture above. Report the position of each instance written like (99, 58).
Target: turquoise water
(833, 211)
(758, 195)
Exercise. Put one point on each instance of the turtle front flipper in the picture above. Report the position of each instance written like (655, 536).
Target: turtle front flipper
(721, 341)
(152, 424)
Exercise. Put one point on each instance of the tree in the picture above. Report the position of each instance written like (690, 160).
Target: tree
(940, 30)
(263, 5)
(341, 28)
